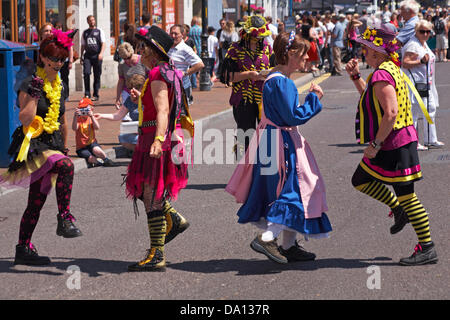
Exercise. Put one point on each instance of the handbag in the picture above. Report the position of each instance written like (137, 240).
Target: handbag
(422, 87)
(186, 121)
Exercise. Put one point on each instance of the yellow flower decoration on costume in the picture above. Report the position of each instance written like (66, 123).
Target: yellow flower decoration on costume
(367, 34)
(394, 41)
(394, 55)
(378, 41)
(374, 32)
(53, 94)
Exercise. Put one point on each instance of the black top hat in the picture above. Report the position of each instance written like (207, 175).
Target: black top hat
(158, 39)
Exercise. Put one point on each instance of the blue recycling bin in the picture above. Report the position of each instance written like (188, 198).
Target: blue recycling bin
(32, 52)
(14, 58)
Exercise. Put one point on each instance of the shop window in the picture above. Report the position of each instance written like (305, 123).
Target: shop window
(55, 12)
(34, 21)
(6, 26)
(123, 13)
(137, 13)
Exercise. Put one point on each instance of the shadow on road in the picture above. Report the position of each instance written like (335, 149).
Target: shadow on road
(349, 145)
(257, 267)
(93, 267)
(345, 145)
(211, 186)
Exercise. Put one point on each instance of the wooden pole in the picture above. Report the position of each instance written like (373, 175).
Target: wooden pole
(131, 15)
(27, 22)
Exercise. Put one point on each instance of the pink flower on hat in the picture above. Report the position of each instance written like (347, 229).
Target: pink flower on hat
(63, 38)
(143, 31)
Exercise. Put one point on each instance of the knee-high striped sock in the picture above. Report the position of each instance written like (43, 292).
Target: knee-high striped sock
(157, 228)
(417, 216)
(379, 192)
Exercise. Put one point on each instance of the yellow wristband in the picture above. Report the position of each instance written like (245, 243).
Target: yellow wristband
(160, 138)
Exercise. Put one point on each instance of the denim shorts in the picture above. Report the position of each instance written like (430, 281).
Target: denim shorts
(130, 138)
(87, 151)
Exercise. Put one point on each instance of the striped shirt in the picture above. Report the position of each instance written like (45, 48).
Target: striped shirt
(183, 56)
(196, 34)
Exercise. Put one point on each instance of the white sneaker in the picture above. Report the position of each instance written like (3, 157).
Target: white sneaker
(437, 144)
(421, 147)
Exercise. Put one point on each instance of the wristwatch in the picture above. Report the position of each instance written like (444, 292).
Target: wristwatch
(376, 144)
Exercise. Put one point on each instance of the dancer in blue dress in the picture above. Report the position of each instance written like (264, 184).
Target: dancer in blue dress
(278, 181)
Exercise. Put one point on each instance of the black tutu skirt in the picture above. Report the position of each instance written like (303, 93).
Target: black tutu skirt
(394, 167)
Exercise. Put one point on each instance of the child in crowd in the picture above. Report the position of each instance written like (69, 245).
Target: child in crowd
(85, 124)
(127, 140)
(213, 52)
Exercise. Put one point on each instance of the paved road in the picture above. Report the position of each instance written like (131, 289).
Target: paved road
(213, 260)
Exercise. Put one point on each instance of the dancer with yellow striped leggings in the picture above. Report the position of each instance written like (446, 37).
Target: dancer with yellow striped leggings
(384, 120)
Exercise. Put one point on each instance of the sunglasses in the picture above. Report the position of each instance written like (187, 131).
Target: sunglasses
(140, 45)
(55, 59)
(425, 31)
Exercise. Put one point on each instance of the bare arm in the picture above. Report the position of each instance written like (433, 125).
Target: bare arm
(357, 23)
(28, 107)
(161, 100)
(70, 57)
(82, 52)
(63, 128)
(113, 116)
(100, 56)
(411, 60)
(119, 90)
(74, 121)
(94, 121)
(388, 100)
(246, 75)
(195, 68)
(352, 68)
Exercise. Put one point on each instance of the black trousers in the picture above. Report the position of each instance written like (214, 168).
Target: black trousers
(246, 117)
(95, 64)
(65, 78)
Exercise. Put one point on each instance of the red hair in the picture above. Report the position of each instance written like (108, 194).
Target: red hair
(52, 48)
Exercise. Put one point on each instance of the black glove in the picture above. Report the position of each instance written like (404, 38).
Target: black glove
(35, 87)
(66, 151)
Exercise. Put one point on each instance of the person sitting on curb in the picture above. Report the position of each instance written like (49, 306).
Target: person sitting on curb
(84, 124)
(127, 140)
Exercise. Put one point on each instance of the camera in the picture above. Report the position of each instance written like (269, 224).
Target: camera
(84, 111)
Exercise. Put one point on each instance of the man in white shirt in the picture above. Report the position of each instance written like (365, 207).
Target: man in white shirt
(386, 14)
(270, 39)
(327, 44)
(213, 51)
(184, 58)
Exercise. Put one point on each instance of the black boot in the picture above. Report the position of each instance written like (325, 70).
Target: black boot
(176, 223)
(153, 261)
(66, 228)
(424, 253)
(400, 219)
(28, 255)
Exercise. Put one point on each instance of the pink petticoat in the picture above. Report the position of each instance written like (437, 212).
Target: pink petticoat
(164, 175)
